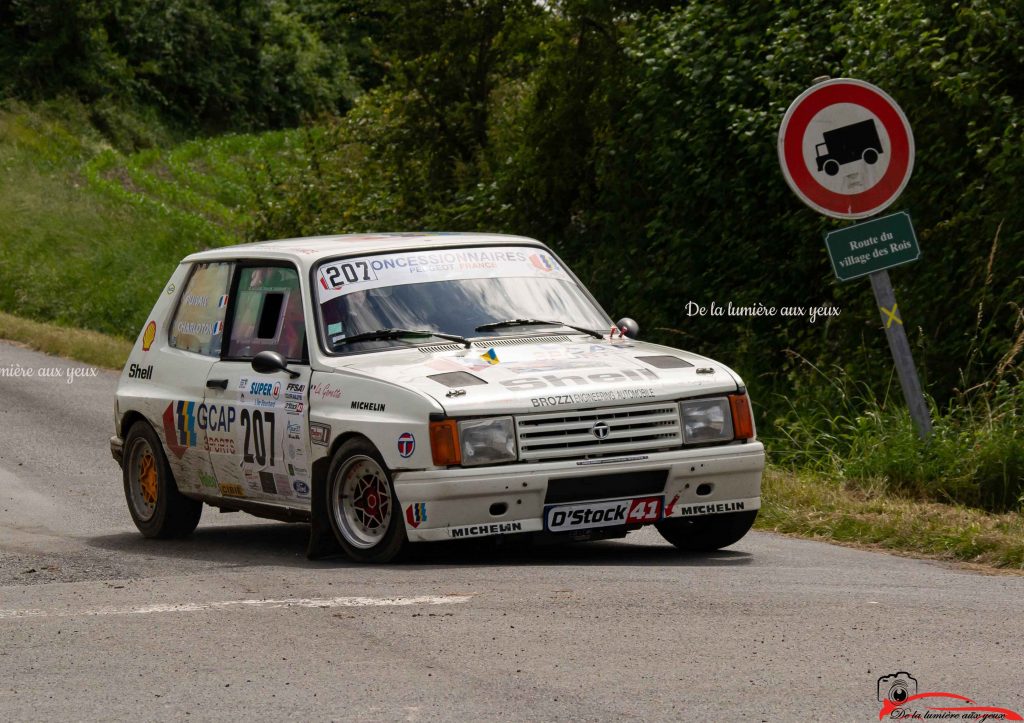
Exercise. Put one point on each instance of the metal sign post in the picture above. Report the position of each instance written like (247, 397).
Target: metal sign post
(900, 348)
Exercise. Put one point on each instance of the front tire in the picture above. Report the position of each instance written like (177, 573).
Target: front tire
(704, 534)
(158, 509)
(362, 505)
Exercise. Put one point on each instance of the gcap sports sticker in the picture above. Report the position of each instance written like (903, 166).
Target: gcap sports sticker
(338, 278)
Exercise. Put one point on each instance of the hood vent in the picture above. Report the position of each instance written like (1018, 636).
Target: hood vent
(665, 361)
(556, 339)
(457, 379)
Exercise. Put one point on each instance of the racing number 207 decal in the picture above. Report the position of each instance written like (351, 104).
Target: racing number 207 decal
(256, 437)
(350, 272)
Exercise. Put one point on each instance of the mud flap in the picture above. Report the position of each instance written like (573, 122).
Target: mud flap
(322, 541)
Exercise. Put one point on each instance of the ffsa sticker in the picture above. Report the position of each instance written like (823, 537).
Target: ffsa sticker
(607, 513)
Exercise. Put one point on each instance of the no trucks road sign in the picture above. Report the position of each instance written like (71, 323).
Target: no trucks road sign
(846, 148)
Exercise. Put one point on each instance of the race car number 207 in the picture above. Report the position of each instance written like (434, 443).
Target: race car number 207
(606, 513)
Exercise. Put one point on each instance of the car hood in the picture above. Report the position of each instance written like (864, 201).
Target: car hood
(528, 375)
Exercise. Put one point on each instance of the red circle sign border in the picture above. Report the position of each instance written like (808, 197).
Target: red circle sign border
(799, 178)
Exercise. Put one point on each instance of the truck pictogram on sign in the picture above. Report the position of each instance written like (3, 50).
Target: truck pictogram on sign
(855, 142)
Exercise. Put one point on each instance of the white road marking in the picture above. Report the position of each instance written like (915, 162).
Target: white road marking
(300, 602)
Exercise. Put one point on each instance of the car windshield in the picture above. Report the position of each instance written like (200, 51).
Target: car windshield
(450, 291)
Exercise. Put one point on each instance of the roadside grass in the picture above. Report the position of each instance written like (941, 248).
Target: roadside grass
(849, 467)
(90, 347)
(89, 235)
(839, 429)
(810, 505)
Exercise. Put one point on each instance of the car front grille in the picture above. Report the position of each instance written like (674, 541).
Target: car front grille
(571, 434)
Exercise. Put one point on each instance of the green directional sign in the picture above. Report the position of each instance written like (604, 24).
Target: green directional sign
(885, 242)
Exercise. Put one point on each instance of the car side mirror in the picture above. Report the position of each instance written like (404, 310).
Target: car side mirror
(629, 327)
(270, 362)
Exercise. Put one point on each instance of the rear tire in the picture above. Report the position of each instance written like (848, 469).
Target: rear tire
(362, 505)
(704, 534)
(870, 156)
(158, 509)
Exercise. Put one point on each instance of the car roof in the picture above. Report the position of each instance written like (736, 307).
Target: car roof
(307, 251)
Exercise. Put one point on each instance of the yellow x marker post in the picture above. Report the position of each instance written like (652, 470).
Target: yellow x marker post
(891, 316)
(885, 297)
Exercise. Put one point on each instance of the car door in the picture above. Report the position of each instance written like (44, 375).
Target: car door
(192, 347)
(257, 433)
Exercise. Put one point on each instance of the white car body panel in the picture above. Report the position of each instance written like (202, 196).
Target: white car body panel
(389, 397)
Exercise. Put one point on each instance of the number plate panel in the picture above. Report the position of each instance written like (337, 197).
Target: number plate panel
(603, 513)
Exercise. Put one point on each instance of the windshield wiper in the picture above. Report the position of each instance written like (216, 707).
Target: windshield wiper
(385, 334)
(537, 322)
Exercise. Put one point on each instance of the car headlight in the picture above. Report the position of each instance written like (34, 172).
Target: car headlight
(487, 441)
(706, 420)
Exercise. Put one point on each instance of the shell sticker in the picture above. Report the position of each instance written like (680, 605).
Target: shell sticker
(148, 336)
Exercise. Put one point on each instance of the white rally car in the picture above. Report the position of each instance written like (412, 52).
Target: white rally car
(395, 388)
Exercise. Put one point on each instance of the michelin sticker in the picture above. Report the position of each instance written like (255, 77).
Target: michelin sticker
(492, 528)
(712, 508)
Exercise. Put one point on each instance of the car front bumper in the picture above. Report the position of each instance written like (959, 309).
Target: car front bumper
(459, 503)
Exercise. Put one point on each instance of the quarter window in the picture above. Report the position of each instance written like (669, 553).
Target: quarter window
(268, 314)
(199, 321)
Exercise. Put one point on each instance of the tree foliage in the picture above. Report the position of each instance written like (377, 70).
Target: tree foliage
(210, 66)
(636, 136)
(640, 142)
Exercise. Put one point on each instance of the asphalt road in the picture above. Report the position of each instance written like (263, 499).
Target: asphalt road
(97, 623)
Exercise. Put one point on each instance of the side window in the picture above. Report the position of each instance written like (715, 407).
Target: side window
(268, 314)
(199, 321)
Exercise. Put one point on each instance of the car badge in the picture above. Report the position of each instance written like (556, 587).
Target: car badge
(600, 430)
(406, 445)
